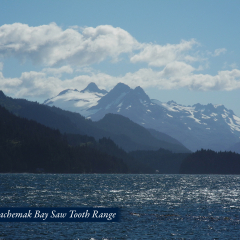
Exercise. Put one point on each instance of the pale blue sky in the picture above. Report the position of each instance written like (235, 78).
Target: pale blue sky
(187, 51)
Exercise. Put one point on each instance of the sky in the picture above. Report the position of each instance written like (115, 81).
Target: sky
(186, 51)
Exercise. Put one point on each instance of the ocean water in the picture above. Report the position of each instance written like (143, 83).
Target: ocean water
(152, 206)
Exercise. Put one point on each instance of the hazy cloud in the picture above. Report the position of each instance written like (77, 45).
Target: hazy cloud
(182, 76)
(219, 51)
(233, 65)
(58, 71)
(1, 66)
(157, 55)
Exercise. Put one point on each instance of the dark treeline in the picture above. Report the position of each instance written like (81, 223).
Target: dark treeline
(161, 161)
(28, 146)
(107, 146)
(210, 162)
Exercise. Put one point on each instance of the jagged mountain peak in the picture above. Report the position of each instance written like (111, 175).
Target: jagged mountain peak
(211, 107)
(67, 90)
(171, 102)
(2, 95)
(92, 87)
(215, 108)
(141, 94)
(115, 95)
(77, 101)
(220, 107)
(198, 106)
(139, 90)
(121, 87)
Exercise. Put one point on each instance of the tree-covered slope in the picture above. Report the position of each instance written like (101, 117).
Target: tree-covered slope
(160, 161)
(26, 146)
(210, 162)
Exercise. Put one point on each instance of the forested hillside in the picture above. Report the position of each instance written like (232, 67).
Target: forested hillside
(160, 161)
(210, 162)
(27, 146)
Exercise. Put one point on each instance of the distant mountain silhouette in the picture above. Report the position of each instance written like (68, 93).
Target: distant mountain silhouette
(69, 122)
(92, 87)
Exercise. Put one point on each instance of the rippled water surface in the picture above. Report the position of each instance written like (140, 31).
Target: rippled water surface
(152, 206)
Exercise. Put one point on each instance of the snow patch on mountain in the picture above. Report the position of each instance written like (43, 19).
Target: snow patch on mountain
(205, 117)
(237, 119)
(232, 125)
(78, 101)
(119, 98)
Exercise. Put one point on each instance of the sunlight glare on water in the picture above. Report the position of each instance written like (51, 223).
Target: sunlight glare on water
(152, 206)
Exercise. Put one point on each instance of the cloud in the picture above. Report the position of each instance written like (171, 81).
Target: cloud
(48, 83)
(175, 75)
(58, 71)
(158, 56)
(233, 65)
(74, 50)
(224, 80)
(182, 76)
(50, 45)
(9, 85)
(219, 51)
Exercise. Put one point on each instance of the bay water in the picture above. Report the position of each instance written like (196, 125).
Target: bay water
(152, 206)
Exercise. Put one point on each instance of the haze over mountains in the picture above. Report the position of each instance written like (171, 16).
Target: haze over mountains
(199, 126)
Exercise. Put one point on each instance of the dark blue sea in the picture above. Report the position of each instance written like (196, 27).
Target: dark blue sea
(152, 206)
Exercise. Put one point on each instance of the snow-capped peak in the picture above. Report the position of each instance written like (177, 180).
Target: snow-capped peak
(77, 101)
(92, 87)
(67, 91)
(203, 114)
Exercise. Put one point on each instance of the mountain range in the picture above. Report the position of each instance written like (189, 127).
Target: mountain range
(76, 144)
(125, 133)
(199, 126)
